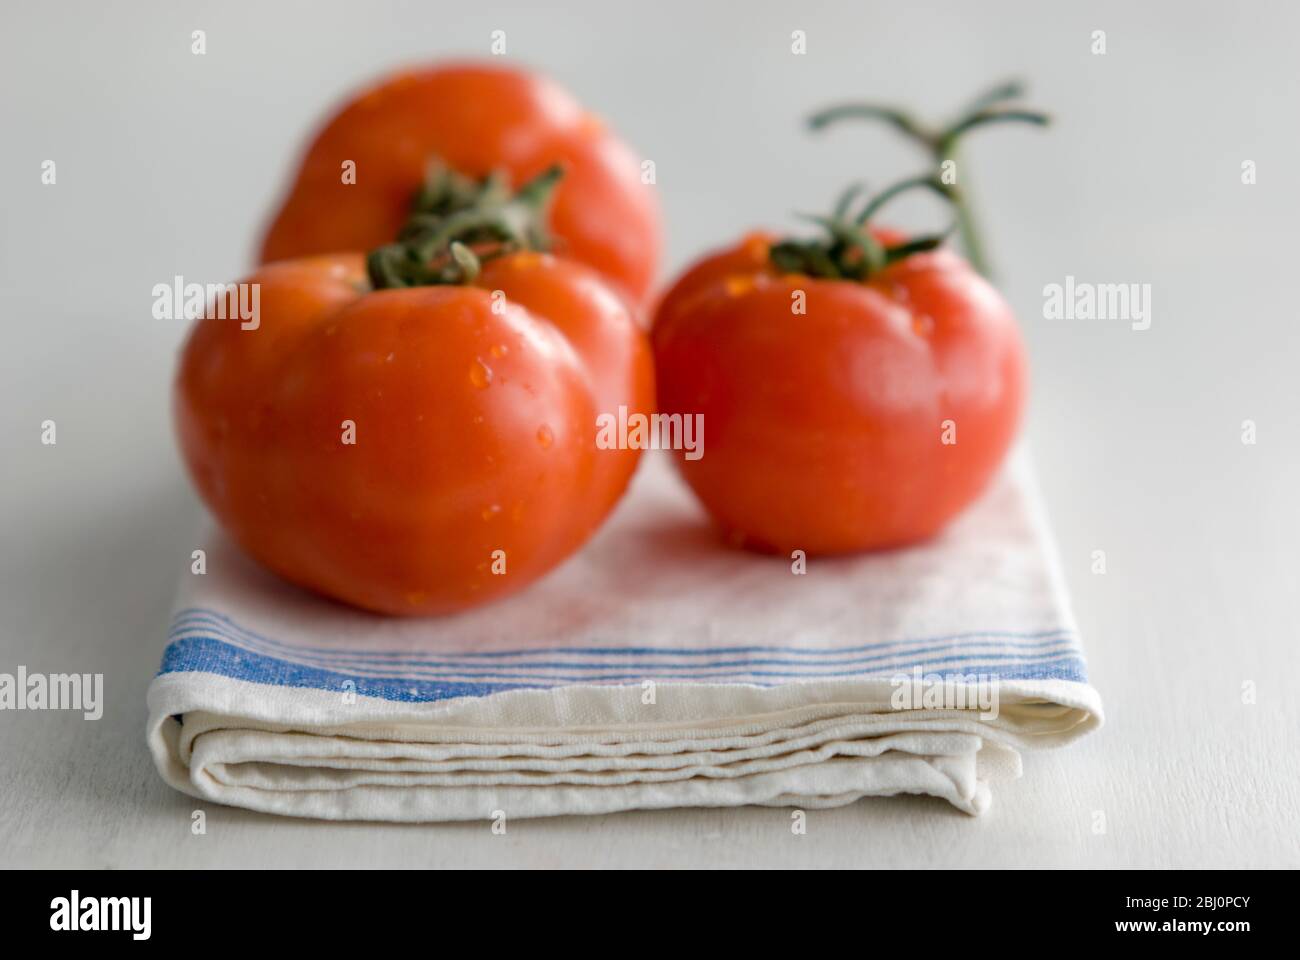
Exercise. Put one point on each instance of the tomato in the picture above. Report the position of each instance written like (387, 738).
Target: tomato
(474, 467)
(475, 119)
(869, 420)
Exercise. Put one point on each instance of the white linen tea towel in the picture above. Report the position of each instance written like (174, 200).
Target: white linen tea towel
(654, 669)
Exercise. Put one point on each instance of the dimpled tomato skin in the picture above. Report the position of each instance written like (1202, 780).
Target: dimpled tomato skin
(471, 468)
(868, 420)
(475, 118)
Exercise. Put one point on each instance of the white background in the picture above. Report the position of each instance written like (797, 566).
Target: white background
(168, 164)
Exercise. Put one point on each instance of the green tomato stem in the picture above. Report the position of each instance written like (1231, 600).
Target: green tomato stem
(457, 222)
(941, 143)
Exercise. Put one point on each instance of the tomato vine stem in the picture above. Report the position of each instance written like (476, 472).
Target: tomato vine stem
(456, 222)
(993, 106)
(849, 251)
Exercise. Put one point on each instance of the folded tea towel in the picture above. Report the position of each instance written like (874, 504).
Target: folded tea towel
(654, 669)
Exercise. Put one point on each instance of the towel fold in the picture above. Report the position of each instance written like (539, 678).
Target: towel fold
(654, 669)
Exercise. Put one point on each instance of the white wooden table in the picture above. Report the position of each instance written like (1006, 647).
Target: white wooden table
(166, 162)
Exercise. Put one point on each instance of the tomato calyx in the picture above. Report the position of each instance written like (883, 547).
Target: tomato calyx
(993, 106)
(457, 222)
(849, 250)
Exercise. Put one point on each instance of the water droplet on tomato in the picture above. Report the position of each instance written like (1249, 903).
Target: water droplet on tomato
(480, 374)
(545, 437)
(738, 285)
(491, 511)
(923, 325)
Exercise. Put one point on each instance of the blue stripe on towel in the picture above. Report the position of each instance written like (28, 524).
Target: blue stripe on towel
(596, 671)
(208, 655)
(224, 649)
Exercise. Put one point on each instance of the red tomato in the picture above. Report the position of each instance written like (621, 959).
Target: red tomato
(825, 431)
(474, 426)
(476, 119)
